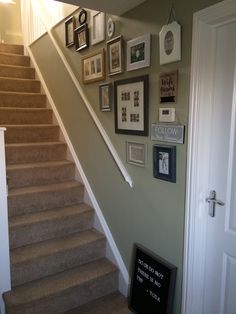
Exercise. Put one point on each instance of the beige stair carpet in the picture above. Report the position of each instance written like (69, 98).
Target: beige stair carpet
(58, 262)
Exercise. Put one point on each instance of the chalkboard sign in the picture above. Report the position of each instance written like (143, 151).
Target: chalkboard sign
(152, 283)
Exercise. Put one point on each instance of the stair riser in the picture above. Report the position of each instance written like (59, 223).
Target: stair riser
(24, 154)
(71, 298)
(39, 176)
(33, 202)
(31, 134)
(18, 85)
(14, 59)
(15, 49)
(51, 229)
(58, 262)
(17, 72)
(22, 100)
(11, 117)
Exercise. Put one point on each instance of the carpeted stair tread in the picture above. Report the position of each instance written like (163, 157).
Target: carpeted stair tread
(38, 173)
(12, 48)
(14, 59)
(19, 85)
(16, 116)
(114, 303)
(28, 133)
(22, 100)
(16, 71)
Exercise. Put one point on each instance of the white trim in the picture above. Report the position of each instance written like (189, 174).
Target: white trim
(112, 250)
(205, 23)
(5, 275)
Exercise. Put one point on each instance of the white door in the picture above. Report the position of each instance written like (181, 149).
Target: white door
(210, 241)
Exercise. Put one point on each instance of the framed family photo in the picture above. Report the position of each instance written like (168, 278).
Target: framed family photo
(81, 37)
(136, 153)
(98, 27)
(115, 55)
(131, 106)
(105, 96)
(93, 67)
(69, 31)
(164, 162)
(138, 52)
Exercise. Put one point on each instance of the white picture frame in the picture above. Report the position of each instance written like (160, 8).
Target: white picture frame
(136, 153)
(170, 43)
(138, 52)
(97, 27)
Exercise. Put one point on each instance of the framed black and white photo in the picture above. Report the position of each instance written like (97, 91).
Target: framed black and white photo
(81, 37)
(98, 27)
(138, 52)
(115, 55)
(136, 153)
(69, 31)
(93, 67)
(170, 43)
(131, 106)
(105, 96)
(164, 162)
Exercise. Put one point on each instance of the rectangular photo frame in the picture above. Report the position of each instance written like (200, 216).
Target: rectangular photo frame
(105, 96)
(115, 55)
(138, 52)
(93, 67)
(131, 105)
(81, 34)
(164, 162)
(69, 31)
(136, 153)
(98, 27)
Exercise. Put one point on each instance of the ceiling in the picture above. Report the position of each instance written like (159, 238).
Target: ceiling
(116, 7)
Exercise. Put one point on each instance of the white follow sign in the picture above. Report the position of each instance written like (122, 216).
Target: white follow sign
(168, 133)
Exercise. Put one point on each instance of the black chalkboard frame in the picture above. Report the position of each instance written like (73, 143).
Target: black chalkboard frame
(170, 268)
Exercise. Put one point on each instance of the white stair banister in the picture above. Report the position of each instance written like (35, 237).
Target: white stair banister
(5, 278)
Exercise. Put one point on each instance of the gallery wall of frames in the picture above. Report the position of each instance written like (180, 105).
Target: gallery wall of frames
(129, 98)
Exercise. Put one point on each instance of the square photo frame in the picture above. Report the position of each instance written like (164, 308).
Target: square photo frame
(138, 52)
(93, 67)
(98, 27)
(115, 54)
(136, 153)
(69, 31)
(81, 34)
(131, 106)
(164, 162)
(105, 96)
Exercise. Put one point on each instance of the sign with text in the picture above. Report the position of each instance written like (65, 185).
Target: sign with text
(152, 283)
(167, 133)
(168, 87)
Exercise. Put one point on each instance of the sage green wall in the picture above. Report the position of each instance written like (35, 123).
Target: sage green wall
(152, 212)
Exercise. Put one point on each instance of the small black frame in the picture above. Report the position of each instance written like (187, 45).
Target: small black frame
(106, 96)
(69, 31)
(81, 35)
(164, 162)
(82, 17)
(152, 283)
(131, 105)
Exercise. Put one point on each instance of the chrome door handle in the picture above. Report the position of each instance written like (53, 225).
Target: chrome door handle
(212, 202)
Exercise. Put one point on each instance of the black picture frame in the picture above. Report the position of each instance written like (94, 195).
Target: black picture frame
(82, 17)
(69, 31)
(164, 162)
(81, 35)
(131, 105)
(106, 96)
(115, 55)
(152, 282)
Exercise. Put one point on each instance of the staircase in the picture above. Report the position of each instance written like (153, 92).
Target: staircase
(58, 262)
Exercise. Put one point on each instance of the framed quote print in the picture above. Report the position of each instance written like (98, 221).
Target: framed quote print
(131, 106)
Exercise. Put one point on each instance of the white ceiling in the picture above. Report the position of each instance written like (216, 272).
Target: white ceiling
(116, 7)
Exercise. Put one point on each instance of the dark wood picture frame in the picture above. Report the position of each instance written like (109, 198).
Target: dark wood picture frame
(81, 35)
(115, 55)
(152, 282)
(93, 67)
(106, 96)
(131, 105)
(164, 162)
(69, 31)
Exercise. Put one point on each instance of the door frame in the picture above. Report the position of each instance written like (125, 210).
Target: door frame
(205, 23)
